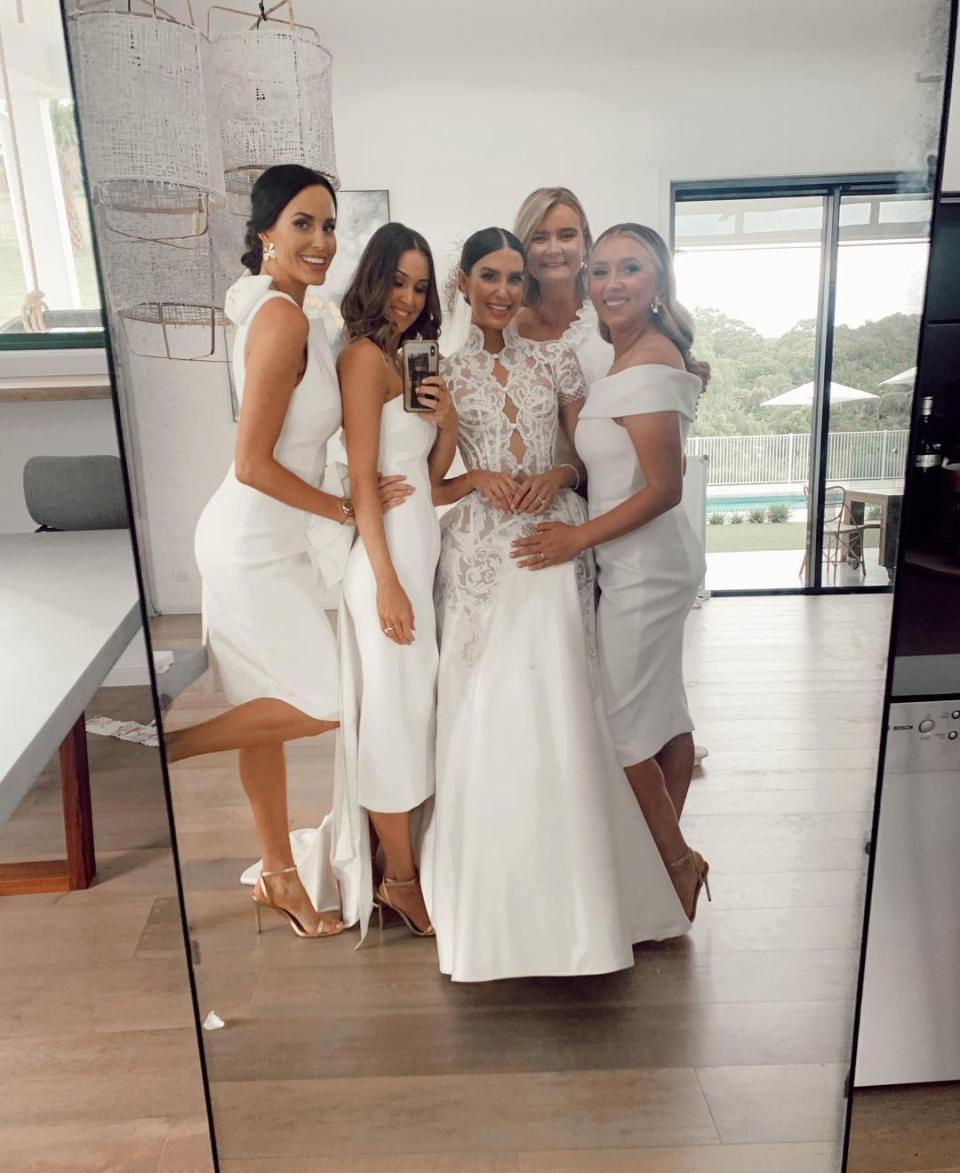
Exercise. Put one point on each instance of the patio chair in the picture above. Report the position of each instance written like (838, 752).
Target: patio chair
(842, 538)
(840, 533)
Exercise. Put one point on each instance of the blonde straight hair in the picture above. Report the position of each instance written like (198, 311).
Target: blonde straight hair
(532, 211)
(673, 320)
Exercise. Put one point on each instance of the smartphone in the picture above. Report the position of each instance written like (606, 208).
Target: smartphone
(420, 359)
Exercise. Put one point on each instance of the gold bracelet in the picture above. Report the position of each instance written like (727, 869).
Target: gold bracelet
(346, 508)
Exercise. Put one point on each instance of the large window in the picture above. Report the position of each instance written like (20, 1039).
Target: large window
(807, 298)
(45, 238)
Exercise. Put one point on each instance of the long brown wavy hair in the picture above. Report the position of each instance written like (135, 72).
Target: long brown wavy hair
(363, 303)
(674, 321)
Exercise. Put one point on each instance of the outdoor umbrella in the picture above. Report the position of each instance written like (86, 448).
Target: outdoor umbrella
(802, 396)
(904, 377)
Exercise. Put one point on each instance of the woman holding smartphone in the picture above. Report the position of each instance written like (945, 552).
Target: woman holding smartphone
(537, 859)
(388, 647)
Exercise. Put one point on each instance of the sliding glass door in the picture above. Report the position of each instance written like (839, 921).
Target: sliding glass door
(806, 296)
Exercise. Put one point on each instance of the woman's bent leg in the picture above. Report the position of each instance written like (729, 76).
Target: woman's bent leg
(256, 723)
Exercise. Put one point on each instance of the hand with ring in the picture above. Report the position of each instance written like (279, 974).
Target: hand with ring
(395, 612)
(535, 494)
(550, 544)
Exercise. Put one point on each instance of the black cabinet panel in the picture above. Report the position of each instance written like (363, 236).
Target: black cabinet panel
(943, 281)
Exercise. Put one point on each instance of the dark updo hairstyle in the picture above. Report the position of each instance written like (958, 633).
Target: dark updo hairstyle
(475, 247)
(274, 189)
(486, 241)
(364, 302)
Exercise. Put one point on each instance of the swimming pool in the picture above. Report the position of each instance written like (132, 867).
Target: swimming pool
(744, 502)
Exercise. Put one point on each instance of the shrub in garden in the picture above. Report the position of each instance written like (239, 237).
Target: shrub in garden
(758, 516)
(778, 513)
(716, 518)
(736, 519)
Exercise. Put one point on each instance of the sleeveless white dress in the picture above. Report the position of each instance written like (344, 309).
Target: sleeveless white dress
(385, 750)
(649, 577)
(537, 859)
(265, 627)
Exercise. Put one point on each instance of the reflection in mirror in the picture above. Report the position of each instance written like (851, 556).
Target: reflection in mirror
(101, 1067)
(505, 802)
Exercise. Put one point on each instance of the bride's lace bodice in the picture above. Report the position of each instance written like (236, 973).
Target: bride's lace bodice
(509, 407)
(508, 402)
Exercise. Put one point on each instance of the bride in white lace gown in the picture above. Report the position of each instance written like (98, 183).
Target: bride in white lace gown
(537, 860)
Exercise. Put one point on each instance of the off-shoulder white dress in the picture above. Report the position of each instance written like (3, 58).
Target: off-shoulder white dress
(649, 577)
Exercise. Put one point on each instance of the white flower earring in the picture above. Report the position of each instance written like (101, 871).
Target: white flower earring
(655, 305)
(270, 252)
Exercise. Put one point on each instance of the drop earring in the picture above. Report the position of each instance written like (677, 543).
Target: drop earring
(655, 305)
(270, 252)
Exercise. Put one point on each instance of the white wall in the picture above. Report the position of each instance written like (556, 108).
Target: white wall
(459, 109)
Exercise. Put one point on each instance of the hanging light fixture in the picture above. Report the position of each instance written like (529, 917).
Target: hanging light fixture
(151, 146)
(274, 93)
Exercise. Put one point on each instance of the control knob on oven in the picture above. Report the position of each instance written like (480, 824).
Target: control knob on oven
(927, 726)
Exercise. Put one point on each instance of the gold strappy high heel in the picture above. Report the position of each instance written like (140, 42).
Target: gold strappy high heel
(263, 899)
(702, 869)
(383, 899)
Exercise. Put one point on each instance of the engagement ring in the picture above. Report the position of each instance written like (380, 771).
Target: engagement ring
(387, 630)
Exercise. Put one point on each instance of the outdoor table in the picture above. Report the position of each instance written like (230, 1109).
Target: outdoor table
(890, 502)
(69, 605)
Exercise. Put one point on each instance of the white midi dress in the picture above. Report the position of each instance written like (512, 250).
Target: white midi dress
(649, 577)
(385, 749)
(266, 631)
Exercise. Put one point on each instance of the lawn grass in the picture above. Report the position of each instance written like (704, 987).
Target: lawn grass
(785, 535)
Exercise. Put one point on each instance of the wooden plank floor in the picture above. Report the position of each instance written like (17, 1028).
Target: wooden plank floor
(718, 1053)
(99, 1071)
(906, 1130)
(722, 1054)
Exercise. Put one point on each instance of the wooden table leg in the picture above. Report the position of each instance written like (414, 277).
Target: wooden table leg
(854, 510)
(79, 868)
(77, 807)
(890, 533)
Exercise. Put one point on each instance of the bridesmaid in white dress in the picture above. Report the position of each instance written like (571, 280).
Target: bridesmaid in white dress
(557, 311)
(537, 859)
(631, 435)
(388, 644)
(266, 631)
